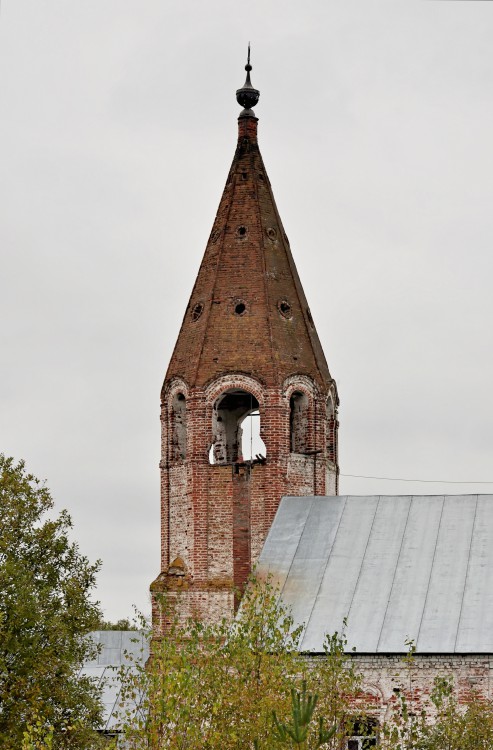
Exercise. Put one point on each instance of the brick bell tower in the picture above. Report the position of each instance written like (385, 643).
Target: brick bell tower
(247, 352)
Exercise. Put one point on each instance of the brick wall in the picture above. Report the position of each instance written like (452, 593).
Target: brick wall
(385, 675)
(216, 516)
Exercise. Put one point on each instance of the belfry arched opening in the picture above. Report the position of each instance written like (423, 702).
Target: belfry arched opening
(236, 428)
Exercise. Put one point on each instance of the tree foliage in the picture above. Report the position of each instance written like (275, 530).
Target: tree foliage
(229, 686)
(45, 614)
(300, 731)
(123, 624)
(442, 723)
(244, 685)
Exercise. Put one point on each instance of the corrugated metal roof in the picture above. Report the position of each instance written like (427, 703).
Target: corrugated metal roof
(396, 567)
(118, 648)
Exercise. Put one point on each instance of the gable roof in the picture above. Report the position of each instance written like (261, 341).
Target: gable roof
(397, 567)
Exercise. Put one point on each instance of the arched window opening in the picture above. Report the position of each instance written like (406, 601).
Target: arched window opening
(331, 431)
(235, 428)
(364, 735)
(178, 427)
(298, 422)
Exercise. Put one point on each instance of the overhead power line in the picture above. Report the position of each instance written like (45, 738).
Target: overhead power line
(425, 481)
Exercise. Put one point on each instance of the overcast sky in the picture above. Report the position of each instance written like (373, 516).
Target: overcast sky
(118, 127)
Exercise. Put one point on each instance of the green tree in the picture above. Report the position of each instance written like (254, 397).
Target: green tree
(220, 686)
(300, 732)
(454, 726)
(210, 686)
(439, 722)
(338, 686)
(123, 624)
(245, 685)
(45, 615)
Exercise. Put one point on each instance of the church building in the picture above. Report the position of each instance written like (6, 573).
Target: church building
(385, 570)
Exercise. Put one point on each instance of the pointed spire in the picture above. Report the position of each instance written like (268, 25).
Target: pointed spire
(247, 97)
(248, 312)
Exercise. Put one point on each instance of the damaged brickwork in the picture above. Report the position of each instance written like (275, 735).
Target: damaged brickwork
(385, 677)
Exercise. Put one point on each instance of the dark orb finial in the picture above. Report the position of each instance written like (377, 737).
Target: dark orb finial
(247, 97)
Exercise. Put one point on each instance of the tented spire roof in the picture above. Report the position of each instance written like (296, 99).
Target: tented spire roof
(248, 312)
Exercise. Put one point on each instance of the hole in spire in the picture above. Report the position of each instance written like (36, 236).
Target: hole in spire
(197, 311)
(285, 309)
(215, 234)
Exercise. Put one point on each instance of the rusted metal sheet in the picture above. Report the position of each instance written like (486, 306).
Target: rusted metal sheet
(398, 568)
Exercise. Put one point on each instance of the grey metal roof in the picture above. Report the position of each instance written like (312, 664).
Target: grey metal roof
(118, 648)
(404, 567)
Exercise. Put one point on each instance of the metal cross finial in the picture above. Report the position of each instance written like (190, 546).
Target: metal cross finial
(248, 67)
(247, 96)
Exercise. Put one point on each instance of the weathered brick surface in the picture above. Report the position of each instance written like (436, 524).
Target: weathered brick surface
(384, 675)
(248, 260)
(247, 329)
